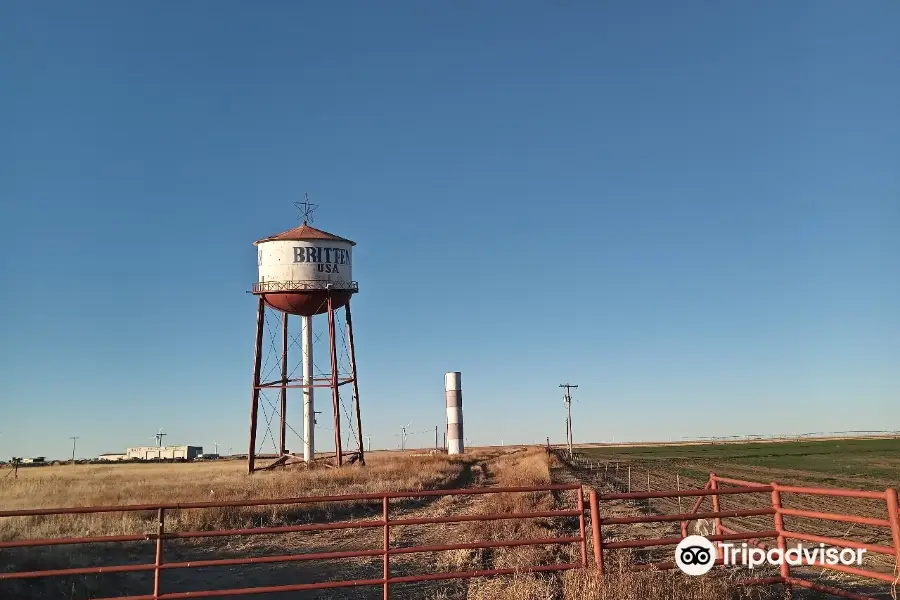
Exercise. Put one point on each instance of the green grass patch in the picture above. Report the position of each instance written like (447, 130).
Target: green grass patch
(825, 460)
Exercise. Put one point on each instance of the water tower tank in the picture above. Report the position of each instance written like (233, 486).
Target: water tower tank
(298, 269)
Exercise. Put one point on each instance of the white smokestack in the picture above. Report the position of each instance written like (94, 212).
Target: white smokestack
(309, 407)
(453, 389)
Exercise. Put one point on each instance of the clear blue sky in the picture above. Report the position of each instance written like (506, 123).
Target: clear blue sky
(691, 209)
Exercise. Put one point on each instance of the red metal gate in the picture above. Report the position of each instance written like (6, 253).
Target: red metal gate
(735, 487)
(717, 488)
(160, 566)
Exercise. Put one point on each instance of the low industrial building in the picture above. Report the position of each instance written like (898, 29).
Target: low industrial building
(163, 452)
(112, 456)
(37, 460)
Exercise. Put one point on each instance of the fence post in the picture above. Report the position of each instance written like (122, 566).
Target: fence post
(678, 488)
(160, 528)
(714, 485)
(649, 500)
(779, 527)
(387, 546)
(629, 480)
(580, 492)
(894, 518)
(595, 530)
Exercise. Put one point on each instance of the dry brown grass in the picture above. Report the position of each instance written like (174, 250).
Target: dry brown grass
(132, 484)
(92, 485)
(587, 585)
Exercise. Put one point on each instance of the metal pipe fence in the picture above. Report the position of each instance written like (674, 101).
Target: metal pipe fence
(719, 489)
(386, 551)
(780, 533)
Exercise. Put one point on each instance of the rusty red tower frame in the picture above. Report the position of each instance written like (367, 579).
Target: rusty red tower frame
(305, 272)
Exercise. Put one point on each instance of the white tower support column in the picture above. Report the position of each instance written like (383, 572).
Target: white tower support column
(453, 389)
(309, 411)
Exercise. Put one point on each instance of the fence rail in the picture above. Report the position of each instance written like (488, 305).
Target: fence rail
(386, 551)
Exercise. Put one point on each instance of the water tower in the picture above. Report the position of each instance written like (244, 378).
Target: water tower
(305, 272)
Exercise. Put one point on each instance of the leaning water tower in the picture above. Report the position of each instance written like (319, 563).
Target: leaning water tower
(305, 272)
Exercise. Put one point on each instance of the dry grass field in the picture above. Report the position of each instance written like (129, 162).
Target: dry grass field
(116, 484)
(139, 484)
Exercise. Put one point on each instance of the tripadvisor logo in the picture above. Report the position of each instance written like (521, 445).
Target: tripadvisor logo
(695, 555)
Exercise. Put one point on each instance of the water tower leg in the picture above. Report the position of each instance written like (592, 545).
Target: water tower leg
(309, 411)
(335, 391)
(359, 432)
(257, 364)
(284, 381)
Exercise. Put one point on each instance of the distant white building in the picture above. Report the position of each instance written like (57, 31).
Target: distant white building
(112, 456)
(163, 452)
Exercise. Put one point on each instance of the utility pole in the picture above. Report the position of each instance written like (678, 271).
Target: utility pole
(567, 399)
(73, 438)
(435, 437)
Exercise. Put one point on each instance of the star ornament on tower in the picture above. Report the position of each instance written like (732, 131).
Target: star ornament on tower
(306, 209)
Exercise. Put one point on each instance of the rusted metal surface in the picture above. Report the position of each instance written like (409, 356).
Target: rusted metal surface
(311, 285)
(791, 512)
(717, 521)
(674, 494)
(341, 381)
(809, 537)
(596, 532)
(160, 530)
(305, 232)
(782, 534)
(386, 574)
(581, 527)
(282, 418)
(309, 303)
(494, 517)
(335, 392)
(354, 379)
(386, 581)
(893, 511)
(780, 540)
(254, 400)
(750, 512)
(834, 492)
(672, 541)
(481, 545)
